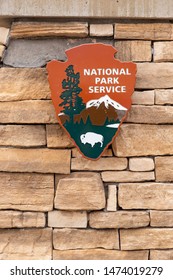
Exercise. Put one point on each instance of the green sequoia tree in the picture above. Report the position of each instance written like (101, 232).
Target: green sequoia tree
(72, 102)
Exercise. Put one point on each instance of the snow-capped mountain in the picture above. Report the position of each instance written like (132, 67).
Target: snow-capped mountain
(107, 101)
(101, 111)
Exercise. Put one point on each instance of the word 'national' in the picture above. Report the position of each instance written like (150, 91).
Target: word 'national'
(106, 71)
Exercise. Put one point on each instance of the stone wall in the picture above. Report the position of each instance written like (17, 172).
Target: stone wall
(54, 204)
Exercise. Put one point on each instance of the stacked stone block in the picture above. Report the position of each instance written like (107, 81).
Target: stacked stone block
(54, 204)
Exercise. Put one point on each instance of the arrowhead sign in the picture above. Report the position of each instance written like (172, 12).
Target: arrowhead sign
(91, 93)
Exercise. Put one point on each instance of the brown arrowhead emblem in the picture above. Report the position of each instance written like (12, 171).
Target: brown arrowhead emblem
(91, 93)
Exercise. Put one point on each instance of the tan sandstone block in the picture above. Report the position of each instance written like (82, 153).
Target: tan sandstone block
(2, 48)
(17, 219)
(31, 29)
(150, 114)
(77, 154)
(133, 50)
(57, 137)
(23, 84)
(141, 164)
(161, 218)
(143, 97)
(65, 239)
(22, 135)
(164, 168)
(4, 35)
(67, 219)
(99, 165)
(161, 254)
(85, 175)
(119, 219)
(163, 51)
(101, 30)
(148, 73)
(26, 192)
(28, 111)
(86, 193)
(76, 175)
(143, 31)
(61, 176)
(35, 160)
(143, 140)
(163, 96)
(107, 153)
(146, 238)
(112, 198)
(28, 244)
(146, 196)
(127, 176)
(99, 254)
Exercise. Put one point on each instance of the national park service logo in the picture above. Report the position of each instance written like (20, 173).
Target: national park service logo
(91, 93)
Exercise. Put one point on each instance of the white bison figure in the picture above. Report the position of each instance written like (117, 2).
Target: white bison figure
(92, 138)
